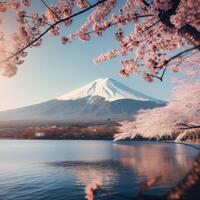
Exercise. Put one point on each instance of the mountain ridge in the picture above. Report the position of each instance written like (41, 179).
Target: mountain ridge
(107, 88)
(98, 100)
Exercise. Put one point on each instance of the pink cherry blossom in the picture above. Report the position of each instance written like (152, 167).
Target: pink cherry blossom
(82, 4)
(153, 40)
(26, 3)
(14, 4)
(167, 120)
(3, 7)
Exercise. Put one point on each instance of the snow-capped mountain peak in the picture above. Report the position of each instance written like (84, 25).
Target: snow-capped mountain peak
(107, 88)
(99, 100)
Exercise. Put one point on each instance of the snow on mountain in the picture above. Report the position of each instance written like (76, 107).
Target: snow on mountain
(107, 88)
(98, 100)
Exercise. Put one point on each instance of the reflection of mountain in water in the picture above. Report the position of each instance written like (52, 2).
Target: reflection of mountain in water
(131, 166)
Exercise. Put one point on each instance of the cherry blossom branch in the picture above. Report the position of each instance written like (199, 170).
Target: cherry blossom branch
(188, 56)
(37, 19)
(188, 126)
(50, 9)
(194, 19)
(156, 22)
(143, 32)
(187, 29)
(52, 26)
(170, 59)
(118, 22)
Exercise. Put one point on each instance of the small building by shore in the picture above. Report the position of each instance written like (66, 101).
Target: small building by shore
(39, 134)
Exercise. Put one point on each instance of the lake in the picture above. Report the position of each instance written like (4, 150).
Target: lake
(59, 170)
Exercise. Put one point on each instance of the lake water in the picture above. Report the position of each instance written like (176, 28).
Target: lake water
(59, 170)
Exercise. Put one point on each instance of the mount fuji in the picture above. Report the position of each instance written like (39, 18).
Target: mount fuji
(96, 101)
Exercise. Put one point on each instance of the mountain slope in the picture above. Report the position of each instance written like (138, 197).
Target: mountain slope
(99, 100)
(107, 88)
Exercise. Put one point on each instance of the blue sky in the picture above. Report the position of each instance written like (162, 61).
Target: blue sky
(53, 69)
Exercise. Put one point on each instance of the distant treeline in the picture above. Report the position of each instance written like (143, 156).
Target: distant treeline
(74, 131)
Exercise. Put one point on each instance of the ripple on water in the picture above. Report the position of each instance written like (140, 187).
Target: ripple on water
(41, 170)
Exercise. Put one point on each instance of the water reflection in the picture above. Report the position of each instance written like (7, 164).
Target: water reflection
(133, 164)
(156, 160)
(86, 172)
(60, 170)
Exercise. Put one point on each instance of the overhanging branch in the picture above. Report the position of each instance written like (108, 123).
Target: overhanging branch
(49, 28)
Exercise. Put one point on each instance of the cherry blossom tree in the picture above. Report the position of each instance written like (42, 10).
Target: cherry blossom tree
(178, 119)
(163, 33)
(180, 116)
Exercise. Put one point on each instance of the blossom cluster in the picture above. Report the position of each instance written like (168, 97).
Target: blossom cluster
(165, 121)
(154, 35)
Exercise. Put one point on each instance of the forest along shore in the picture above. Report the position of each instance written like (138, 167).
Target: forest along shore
(63, 131)
(103, 131)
